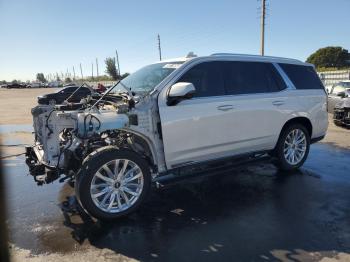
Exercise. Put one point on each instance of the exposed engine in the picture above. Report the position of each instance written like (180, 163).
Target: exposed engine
(65, 134)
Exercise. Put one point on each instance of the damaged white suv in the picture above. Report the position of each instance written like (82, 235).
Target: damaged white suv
(176, 117)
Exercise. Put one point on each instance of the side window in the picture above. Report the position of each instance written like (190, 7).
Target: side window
(84, 90)
(251, 78)
(207, 78)
(303, 77)
(70, 89)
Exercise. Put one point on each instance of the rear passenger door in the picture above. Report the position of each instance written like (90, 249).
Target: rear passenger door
(255, 92)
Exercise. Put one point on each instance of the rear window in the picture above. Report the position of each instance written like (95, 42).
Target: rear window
(303, 77)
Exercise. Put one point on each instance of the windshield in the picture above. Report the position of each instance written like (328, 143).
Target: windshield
(345, 84)
(146, 79)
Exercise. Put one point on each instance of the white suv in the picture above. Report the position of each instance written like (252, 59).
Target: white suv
(176, 115)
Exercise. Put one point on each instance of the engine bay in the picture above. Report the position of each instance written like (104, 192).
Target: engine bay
(66, 133)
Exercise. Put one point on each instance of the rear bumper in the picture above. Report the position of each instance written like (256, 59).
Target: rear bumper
(316, 139)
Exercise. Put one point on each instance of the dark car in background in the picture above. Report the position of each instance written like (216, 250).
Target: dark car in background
(59, 96)
(15, 85)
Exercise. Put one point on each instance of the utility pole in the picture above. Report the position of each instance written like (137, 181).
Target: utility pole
(159, 49)
(73, 73)
(262, 24)
(92, 70)
(81, 72)
(117, 57)
(97, 67)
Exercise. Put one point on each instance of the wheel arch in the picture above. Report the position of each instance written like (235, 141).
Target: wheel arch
(147, 145)
(299, 120)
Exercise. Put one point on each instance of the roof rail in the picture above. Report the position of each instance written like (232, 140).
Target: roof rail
(248, 55)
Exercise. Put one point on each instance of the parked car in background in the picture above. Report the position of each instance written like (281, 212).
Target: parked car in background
(15, 85)
(59, 96)
(35, 85)
(337, 93)
(55, 84)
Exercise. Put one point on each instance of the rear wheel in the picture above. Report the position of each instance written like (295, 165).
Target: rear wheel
(292, 147)
(113, 182)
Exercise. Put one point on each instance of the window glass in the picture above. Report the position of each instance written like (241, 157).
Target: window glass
(303, 77)
(206, 78)
(84, 90)
(69, 89)
(251, 78)
(144, 80)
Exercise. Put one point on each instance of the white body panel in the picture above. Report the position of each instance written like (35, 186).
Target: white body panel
(207, 128)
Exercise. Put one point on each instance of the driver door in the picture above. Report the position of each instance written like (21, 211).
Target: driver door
(197, 129)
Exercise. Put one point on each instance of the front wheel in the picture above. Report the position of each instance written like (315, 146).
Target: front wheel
(292, 147)
(112, 182)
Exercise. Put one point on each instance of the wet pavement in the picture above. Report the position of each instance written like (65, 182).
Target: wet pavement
(251, 214)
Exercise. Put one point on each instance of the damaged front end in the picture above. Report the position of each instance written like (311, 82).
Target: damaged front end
(341, 116)
(66, 134)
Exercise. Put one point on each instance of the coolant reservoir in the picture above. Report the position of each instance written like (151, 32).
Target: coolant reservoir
(90, 123)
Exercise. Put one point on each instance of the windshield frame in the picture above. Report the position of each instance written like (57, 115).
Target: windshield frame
(124, 87)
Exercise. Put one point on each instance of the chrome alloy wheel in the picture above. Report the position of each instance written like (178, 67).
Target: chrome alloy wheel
(295, 146)
(117, 185)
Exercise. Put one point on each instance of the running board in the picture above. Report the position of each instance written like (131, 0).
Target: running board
(177, 176)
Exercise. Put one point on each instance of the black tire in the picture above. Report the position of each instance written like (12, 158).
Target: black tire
(337, 123)
(92, 164)
(282, 163)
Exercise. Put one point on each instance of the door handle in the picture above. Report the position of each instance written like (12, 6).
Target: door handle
(278, 103)
(225, 107)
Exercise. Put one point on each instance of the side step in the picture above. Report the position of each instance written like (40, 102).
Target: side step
(210, 169)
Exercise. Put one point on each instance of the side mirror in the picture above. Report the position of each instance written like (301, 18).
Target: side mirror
(341, 94)
(180, 91)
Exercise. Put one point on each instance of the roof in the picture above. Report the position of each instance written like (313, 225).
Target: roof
(241, 57)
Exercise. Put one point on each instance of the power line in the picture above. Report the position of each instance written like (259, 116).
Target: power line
(97, 67)
(117, 57)
(159, 49)
(73, 73)
(81, 72)
(262, 25)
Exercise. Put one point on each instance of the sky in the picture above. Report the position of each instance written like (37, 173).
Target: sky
(53, 36)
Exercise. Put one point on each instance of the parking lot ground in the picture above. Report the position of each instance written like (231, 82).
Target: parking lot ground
(256, 213)
(251, 214)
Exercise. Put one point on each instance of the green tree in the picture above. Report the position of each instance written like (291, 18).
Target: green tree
(68, 80)
(111, 69)
(40, 77)
(331, 56)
